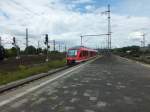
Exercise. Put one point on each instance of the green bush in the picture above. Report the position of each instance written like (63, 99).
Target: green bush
(22, 67)
(55, 64)
(30, 50)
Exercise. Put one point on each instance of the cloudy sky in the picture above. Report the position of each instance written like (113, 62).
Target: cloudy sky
(66, 20)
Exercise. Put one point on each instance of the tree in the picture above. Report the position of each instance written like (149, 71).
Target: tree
(2, 52)
(30, 50)
(39, 50)
(13, 52)
(130, 50)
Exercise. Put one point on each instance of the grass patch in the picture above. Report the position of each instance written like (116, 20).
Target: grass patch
(24, 72)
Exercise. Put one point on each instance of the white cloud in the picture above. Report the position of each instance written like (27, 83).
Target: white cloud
(90, 8)
(60, 22)
(82, 1)
(134, 7)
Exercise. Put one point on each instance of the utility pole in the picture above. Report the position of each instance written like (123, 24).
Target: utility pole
(54, 45)
(143, 45)
(38, 49)
(143, 40)
(59, 47)
(81, 40)
(109, 28)
(27, 41)
(38, 44)
(65, 48)
(0, 41)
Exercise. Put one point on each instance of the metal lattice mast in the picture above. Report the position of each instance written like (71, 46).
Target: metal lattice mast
(54, 45)
(144, 40)
(0, 41)
(109, 28)
(27, 41)
(81, 40)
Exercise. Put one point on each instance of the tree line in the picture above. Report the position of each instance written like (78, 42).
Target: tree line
(12, 52)
(135, 51)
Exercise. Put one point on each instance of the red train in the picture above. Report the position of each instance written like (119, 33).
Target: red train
(79, 54)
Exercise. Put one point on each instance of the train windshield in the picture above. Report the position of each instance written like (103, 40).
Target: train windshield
(72, 53)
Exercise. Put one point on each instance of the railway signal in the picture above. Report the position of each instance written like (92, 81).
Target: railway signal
(46, 38)
(14, 41)
(17, 48)
(47, 46)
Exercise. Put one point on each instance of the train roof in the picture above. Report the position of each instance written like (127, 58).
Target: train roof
(82, 48)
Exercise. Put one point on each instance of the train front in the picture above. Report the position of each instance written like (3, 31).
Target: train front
(72, 55)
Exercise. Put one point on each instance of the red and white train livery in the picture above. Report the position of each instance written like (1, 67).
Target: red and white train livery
(79, 54)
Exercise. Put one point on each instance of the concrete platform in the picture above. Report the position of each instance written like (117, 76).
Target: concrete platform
(108, 84)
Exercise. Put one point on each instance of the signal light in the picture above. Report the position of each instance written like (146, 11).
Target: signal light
(14, 40)
(46, 38)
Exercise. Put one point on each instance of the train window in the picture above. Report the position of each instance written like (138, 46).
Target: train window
(72, 52)
(81, 53)
(91, 53)
(84, 53)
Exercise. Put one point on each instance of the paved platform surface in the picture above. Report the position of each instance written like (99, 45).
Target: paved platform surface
(109, 84)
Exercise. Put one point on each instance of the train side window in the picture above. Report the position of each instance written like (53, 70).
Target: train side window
(81, 53)
(89, 53)
(84, 53)
(92, 53)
